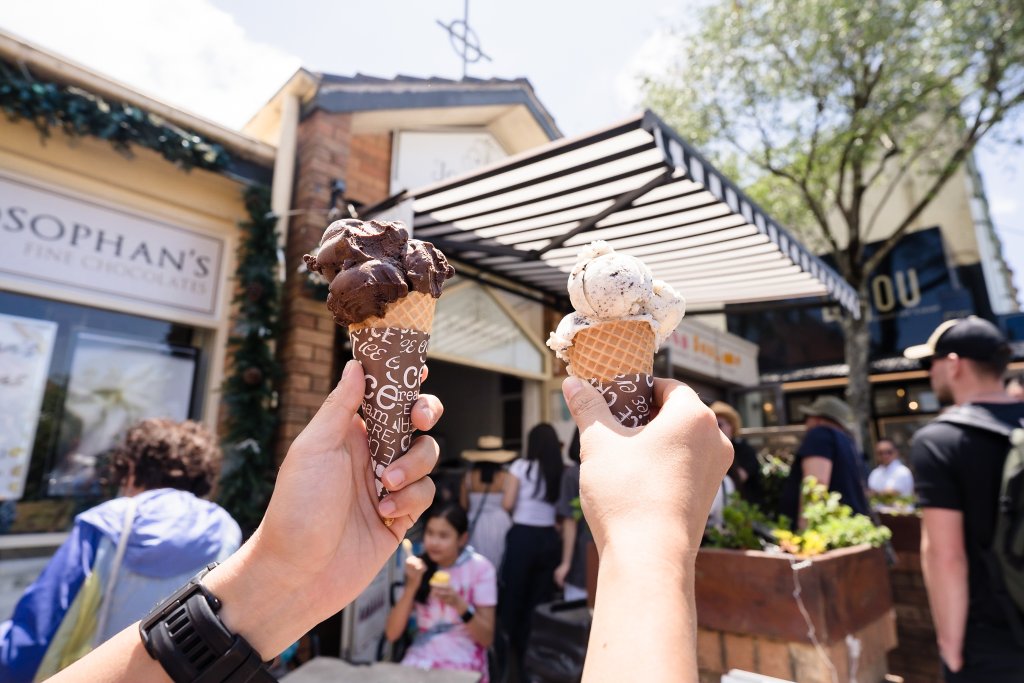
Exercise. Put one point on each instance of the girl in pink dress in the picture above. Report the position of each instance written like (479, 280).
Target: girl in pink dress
(453, 591)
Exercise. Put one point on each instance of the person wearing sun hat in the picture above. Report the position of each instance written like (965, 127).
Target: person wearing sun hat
(488, 494)
(958, 464)
(829, 454)
(746, 470)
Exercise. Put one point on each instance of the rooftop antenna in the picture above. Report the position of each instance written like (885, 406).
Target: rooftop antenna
(464, 40)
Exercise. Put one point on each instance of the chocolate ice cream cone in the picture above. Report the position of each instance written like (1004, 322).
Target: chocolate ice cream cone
(617, 357)
(393, 351)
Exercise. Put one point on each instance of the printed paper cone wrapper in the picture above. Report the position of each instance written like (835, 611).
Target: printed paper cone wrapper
(618, 359)
(393, 354)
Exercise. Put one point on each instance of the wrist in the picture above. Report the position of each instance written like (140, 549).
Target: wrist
(264, 604)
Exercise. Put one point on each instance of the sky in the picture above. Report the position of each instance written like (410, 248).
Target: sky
(223, 59)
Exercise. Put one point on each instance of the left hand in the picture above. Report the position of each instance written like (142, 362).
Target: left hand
(322, 540)
(448, 596)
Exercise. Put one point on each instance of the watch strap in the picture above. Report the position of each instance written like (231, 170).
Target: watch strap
(468, 615)
(193, 645)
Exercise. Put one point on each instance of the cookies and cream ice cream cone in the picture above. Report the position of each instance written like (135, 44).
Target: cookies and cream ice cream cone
(622, 317)
(384, 287)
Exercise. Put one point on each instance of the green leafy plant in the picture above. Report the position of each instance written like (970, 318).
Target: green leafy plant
(76, 112)
(893, 503)
(249, 390)
(830, 524)
(743, 526)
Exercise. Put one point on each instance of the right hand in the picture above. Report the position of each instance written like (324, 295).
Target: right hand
(561, 571)
(415, 568)
(653, 484)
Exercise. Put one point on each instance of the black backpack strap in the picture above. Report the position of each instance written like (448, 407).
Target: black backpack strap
(970, 415)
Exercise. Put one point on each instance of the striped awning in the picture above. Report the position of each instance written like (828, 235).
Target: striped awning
(641, 188)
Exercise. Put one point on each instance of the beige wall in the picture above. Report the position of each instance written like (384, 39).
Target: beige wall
(144, 183)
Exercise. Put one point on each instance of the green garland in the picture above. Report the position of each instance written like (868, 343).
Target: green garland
(249, 395)
(78, 113)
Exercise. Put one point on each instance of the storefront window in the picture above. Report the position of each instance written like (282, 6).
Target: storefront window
(106, 371)
(905, 399)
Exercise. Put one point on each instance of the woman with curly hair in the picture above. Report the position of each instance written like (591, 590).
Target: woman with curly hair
(124, 555)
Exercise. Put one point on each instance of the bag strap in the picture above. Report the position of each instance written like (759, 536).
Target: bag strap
(115, 569)
(969, 415)
(483, 502)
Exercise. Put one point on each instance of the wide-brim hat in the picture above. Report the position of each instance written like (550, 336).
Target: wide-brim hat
(727, 412)
(488, 449)
(832, 408)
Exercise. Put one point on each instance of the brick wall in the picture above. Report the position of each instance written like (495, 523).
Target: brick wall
(917, 657)
(326, 150)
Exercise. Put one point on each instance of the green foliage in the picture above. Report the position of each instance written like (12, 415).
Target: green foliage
(49, 105)
(819, 102)
(893, 503)
(741, 521)
(249, 394)
(830, 524)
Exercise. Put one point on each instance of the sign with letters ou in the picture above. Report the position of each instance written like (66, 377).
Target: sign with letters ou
(911, 292)
(713, 353)
(26, 345)
(84, 247)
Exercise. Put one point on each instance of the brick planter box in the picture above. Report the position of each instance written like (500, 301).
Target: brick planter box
(917, 657)
(749, 619)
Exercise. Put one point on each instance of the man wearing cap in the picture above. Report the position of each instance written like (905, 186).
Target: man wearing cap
(958, 472)
(828, 454)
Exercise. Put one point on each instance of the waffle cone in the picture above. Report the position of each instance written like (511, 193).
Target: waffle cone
(414, 311)
(611, 349)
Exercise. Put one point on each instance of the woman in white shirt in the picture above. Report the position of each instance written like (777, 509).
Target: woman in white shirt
(532, 547)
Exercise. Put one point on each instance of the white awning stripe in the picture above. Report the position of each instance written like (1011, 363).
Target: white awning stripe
(641, 188)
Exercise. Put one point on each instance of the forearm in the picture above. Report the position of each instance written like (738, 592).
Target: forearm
(569, 526)
(398, 618)
(268, 614)
(651, 588)
(481, 626)
(945, 579)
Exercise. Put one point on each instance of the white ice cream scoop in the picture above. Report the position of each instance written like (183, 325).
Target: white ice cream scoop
(605, 284)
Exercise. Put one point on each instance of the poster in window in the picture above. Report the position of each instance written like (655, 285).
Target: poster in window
(114, 383)
(26, 345)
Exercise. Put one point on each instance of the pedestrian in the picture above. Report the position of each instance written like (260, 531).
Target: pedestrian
(452, 590)
(488, 494)
(571, 573)
(532, 548)
(1015, 386)
(828, 454)
(746, 469)
(124, 555)
(891, 476)
(958, 462)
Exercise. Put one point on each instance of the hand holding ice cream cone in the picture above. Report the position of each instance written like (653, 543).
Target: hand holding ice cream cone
(384, 287)
(623, 315)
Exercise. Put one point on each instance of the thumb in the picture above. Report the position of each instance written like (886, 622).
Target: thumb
(342, 403)
(588, 406)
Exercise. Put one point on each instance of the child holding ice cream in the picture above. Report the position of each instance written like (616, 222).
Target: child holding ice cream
(453, 591)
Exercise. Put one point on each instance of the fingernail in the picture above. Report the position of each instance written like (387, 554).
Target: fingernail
(348, 368)
(394, 479)
(571, 387)
(386, 508)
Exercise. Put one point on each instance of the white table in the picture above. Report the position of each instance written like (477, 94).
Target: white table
(331, 670)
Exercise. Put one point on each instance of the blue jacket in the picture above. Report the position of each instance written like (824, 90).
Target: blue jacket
(174, 534)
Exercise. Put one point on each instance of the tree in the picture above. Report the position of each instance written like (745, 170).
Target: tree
(826, 106)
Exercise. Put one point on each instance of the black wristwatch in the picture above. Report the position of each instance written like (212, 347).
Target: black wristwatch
(193, 645)
(468, 615)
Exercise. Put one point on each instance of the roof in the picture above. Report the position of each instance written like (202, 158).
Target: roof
(637, 185)
(371, 93)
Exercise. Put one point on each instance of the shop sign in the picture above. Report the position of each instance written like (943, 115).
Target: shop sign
(85, 248)
(26, 345)
(423, 158)
(713, 353)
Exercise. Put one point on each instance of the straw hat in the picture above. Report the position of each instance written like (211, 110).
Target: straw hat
(728, 413)
(832, 408)
(488, 449)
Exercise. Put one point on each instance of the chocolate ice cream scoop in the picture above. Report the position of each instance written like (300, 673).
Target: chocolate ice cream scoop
(372, 264)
